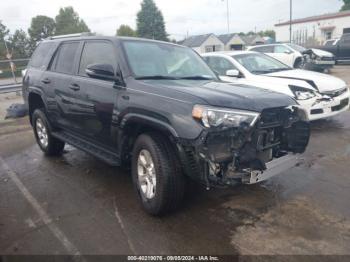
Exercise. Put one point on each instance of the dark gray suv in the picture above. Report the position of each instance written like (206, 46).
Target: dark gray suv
(159, 107)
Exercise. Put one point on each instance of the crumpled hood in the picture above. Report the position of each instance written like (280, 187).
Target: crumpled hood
(323, 82)
(227, 95)
(321, 53)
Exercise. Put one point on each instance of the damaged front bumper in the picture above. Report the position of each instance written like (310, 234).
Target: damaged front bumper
(273, 168)
(240, 155)
(327, 104)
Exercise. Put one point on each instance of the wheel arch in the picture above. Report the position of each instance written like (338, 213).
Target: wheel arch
(134, 125)
(35, 101)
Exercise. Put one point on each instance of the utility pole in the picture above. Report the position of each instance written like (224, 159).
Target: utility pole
(228, 16)
(290, 20)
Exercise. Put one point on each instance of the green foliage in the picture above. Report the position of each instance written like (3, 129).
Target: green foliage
(150, 22)
(41, 27)
(269, 33)
(346, 5)
(68, 22)
(19, 44)
(4, 31)
(125, 30)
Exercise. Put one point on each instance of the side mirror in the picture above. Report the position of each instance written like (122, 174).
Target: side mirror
(101, 71)
(288, 52)
(233, 73)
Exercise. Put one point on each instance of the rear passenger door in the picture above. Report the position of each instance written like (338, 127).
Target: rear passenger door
(57, 80)
(96, 98)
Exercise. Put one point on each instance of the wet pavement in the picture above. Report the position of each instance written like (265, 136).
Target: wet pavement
(76, 203)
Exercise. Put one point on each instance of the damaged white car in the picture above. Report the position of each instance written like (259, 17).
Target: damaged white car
(297, 56)
(319, 94)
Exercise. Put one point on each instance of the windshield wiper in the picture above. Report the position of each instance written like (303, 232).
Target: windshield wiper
(279, 69)
(196, 77)
(156, 77)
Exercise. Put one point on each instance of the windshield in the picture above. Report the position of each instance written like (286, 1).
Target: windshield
(151, 60)
(297, 47)
(257, 63)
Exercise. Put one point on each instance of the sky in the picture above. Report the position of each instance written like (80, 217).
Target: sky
(182, 17)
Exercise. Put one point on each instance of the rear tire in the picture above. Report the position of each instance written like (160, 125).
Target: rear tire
(157, 175)
(50, 145)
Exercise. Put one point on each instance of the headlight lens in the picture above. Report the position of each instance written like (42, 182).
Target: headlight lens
(214, 117)
(301, 93)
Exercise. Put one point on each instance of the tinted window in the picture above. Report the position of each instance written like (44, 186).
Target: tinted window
(64, 58)
(96, 53)
(40, 54)
(219, 64)
(160, 59)
(263, 49)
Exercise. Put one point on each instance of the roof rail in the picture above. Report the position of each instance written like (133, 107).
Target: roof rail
(70, 35)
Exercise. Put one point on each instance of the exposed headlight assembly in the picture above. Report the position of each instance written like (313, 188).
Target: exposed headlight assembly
(301, 93)
(215, 117)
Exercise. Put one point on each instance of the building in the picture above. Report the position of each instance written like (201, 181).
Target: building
(212, 43)
(204, 43)
(314, 30)
(232, 42)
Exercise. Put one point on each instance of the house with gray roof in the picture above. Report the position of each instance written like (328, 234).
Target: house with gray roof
(237, 42)
(232, 42)
(204, 43)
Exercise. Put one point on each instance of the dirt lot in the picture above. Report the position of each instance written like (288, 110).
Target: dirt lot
(76, 204)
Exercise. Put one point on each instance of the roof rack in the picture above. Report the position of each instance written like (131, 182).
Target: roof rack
(71, 35)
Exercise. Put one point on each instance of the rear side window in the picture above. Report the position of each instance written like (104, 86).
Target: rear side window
(96, 52)
(263, 49)
(39, 57)
(64, 58)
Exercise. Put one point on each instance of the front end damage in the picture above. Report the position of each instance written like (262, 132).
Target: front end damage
(316, 61)
(248, 154)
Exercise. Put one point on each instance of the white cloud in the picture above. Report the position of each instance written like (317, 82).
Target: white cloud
(181, 16)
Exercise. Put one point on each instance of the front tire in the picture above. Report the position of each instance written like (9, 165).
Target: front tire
(157, 175)
(50, 145)
(299, 64)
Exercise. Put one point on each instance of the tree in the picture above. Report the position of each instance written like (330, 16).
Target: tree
(41, 27)
(20, 44)
(346, 5)
(4, 31)
(150, 22)
(269, 33)
(125, 30)
(68, 22)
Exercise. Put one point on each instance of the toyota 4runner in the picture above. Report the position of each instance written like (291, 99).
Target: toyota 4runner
(159, 107)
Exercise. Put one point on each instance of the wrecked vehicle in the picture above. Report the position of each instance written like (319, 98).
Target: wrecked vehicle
(296, 56)
(159, 107)
(321, 95)
(340, 48)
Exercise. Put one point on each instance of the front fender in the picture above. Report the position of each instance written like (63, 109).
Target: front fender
(149, 121)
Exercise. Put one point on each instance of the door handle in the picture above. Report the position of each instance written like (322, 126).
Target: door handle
(46, 81)
(74, 87)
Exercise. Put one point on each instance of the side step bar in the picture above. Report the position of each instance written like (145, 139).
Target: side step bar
(105, 155)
